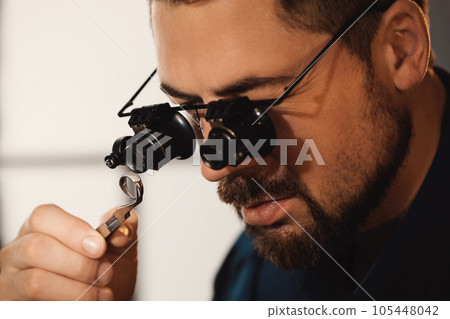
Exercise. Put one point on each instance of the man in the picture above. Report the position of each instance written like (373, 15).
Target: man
(367, 225)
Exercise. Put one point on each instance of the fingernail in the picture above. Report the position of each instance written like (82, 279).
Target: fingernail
(92, 245)
(105, 295)
(104, 278)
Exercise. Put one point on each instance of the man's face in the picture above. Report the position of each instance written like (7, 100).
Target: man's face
(223, 49)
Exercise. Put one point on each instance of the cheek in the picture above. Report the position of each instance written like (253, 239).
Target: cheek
(346, 140)
(330, 133)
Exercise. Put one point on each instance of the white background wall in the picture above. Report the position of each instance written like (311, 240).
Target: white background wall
(440, 31)
(62, 82)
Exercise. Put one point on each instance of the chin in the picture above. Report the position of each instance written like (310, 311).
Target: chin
(285, 245)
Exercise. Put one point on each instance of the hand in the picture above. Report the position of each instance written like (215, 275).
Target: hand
(57, 256)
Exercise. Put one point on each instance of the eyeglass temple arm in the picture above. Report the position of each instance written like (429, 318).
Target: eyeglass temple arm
(287, 90)
(130, 102)
(330, 44)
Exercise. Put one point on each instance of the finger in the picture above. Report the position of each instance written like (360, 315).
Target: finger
(38, 284)
(37, 250)
(126, 233)
(68, 229)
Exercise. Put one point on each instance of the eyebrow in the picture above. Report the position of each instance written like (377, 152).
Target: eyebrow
(238, 87)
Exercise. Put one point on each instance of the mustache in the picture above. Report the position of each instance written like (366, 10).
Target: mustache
(242, 191)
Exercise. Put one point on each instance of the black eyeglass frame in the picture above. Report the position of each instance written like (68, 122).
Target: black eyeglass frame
(261, 103)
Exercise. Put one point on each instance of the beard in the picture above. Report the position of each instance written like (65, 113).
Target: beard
(291, 246)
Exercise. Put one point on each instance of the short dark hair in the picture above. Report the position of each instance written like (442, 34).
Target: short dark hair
(328, 16)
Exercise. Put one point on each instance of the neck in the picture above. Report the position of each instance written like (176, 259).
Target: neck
(427, 104)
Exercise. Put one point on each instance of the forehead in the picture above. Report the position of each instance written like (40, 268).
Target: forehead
(208, 44)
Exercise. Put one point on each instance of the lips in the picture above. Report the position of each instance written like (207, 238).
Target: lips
(266, 212)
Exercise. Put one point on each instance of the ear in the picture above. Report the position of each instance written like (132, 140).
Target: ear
(406, 42)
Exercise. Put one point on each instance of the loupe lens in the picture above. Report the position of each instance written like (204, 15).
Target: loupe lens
(220, 149)
(214, 154)
(143, 152)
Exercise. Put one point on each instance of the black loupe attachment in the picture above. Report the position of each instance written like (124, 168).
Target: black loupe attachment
(236, 125)
(161, 134)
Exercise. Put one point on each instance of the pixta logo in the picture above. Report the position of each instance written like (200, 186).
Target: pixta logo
(149, 151)
(309, 151)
